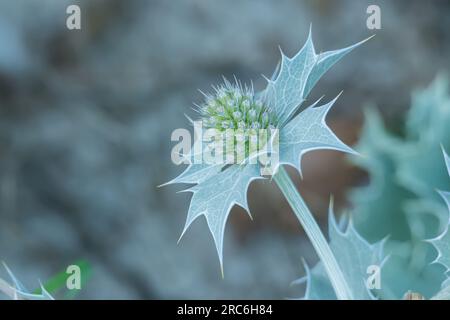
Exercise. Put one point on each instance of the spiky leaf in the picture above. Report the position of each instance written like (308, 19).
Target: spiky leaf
(306, 132)
(196, 173)
(428, 127)
(354, 255)
(297, 76)
(400, 202)
(378, 212)
(215, 197)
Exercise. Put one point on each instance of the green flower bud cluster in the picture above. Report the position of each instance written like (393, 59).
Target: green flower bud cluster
(232, 108)
(237, 109)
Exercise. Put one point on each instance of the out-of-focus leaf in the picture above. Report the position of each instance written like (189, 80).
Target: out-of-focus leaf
(400, 202)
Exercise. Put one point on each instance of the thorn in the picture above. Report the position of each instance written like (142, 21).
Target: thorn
(316, 102)
(196, 110)
(165, 184)
(238, 84)
(310, 39)
(189, 118)
(330, 104)
(281, 51)
(265, 78)
(228, 84)
(363, 41)
(331, 204)
(187, 190)
(300, 173)
(181, 235)
(204, 94)
(337, 97)
(372, 36)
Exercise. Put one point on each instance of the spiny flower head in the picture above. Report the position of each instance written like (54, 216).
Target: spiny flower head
(236, 107)
(235, 110)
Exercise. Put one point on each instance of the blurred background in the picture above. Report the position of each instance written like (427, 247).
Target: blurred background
(86, 118)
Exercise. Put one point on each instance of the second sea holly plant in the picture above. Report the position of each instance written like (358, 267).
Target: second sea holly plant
(220, 186)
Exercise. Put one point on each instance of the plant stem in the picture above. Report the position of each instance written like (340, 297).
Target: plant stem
(314, 233)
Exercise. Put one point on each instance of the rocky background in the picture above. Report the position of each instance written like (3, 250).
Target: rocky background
(86, 118)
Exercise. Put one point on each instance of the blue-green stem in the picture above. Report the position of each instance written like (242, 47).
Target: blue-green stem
(314, 234)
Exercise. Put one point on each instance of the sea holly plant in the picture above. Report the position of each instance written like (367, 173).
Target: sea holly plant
(234, 116)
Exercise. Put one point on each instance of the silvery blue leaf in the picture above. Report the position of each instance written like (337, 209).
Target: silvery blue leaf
(215, 197)
(196, 173)
(306, 132)
(318, 286)
(354, 255)
(297, 76)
